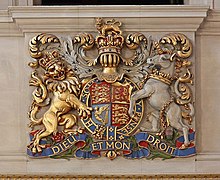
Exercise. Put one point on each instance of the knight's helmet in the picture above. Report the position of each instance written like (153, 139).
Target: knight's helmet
(109, 44)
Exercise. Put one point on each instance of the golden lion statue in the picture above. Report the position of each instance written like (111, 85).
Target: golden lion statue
(110, 25)
(58, 88)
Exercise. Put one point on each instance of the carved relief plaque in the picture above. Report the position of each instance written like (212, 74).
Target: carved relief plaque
(138, 106)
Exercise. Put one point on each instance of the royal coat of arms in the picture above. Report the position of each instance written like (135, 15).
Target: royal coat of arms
(111, 95)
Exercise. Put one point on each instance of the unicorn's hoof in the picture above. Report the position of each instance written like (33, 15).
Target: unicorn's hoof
(34, 150)
(184, 146)
(39, 149)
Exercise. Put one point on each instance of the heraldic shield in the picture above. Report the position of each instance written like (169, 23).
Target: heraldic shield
(110, 119)
(140, 106)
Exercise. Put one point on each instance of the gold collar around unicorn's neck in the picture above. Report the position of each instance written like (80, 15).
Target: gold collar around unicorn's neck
(161, 76)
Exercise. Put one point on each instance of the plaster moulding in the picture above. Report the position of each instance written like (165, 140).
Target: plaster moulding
(211, 25)
(143, 18)
(121, 177)
(7, 26)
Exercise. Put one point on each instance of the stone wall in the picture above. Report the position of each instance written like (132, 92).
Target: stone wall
(19, 24)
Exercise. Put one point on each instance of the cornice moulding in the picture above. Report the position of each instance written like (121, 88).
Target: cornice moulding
(5, 17)
(211, 25)
(108, 11)
(208, 157)
(14, 158)
(143, 18)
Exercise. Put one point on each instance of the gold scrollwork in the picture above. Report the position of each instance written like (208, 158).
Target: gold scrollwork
(182, 89)
(181, 43)
(133, 40)
(37, 42)
(86, 40)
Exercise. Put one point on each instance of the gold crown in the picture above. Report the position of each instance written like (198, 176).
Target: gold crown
(166, 78)
(109, 43)
(49, 59)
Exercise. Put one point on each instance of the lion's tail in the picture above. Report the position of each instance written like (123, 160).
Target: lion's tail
(33, 113)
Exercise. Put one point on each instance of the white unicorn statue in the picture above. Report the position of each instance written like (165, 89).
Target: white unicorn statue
(157, 90)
